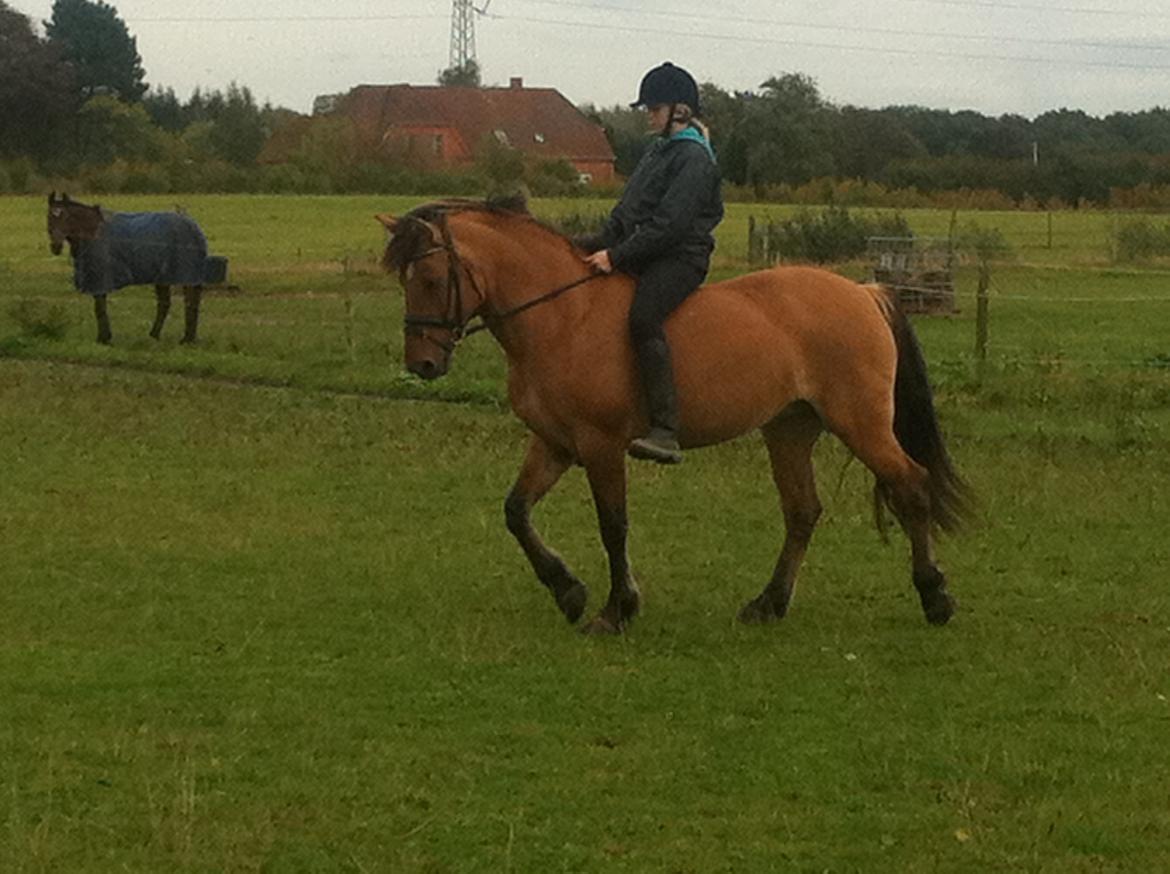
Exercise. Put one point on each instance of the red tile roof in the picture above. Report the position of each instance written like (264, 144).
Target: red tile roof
(538, 121)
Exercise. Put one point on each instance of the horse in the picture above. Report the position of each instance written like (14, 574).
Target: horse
(111, 250)
(792, 352)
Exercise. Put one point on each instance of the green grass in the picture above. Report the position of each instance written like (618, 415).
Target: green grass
(260, 612)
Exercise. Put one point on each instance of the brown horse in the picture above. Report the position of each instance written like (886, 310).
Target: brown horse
(111, 250)
(791, 351)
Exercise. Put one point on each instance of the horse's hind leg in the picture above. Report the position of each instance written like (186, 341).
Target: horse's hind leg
(543, 466)
(790, 438)
(191, 297)
(162, 297)
(905, 484)
(104, 335)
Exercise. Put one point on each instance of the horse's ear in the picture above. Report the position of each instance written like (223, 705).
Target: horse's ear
(388, 221)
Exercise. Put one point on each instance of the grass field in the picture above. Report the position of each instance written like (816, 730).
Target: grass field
(260, 612)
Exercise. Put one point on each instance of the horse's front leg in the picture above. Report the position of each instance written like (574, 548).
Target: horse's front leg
(162, 298)
(543, 466)
(191, 297)
(606, 470)
(104, 335)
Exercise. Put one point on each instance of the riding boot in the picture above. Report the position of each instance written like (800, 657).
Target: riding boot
(657, 377)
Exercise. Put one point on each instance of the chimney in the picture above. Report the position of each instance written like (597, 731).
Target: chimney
(516, 82)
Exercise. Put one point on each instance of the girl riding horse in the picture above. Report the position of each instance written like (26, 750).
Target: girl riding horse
(792, 352)
(661, 232)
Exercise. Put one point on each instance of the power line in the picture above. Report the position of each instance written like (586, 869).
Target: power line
(270, 19)
(1034, 7)
(882, 50)
(888, 31)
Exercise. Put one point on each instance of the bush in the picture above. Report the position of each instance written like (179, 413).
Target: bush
(831, 235)
(1139, 240)
(36, 318)
(985, 244)
(146, 179)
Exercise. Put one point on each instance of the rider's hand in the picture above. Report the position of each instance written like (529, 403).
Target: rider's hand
(599, 261)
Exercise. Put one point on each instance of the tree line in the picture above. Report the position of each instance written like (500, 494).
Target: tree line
(786, 135)
(76, 105)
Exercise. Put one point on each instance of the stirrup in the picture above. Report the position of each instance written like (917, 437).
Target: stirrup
(659, 445)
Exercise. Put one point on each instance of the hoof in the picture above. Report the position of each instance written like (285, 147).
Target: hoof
(938, 608)
(937, 604)
(572, 602)
(601, 626)
(760, 611)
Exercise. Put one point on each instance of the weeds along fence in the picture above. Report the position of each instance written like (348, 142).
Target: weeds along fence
(1000, 256)
(835, 233)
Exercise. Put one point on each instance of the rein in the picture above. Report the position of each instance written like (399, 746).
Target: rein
(461, 328)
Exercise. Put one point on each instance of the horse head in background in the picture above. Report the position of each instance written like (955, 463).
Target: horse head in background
(71, 221)
(111, 250)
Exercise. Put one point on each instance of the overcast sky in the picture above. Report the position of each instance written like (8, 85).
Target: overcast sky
(993, 56)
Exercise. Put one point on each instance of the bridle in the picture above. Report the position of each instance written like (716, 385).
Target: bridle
(453, 321)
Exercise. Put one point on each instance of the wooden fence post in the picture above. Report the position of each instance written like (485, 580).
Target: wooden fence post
(982, 314)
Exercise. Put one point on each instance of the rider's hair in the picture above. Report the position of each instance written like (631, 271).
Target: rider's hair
(680, 113)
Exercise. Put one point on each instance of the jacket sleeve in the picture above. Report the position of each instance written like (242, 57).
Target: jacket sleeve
(607, 236)
(674, 215)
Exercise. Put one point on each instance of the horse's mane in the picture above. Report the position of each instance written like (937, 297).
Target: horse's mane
(414, 233)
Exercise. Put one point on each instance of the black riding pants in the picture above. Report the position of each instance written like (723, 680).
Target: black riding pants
(662, 286)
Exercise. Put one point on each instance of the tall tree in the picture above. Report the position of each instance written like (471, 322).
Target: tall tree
(789, 133)
(35, 89)
(165, 109)
(466, 75)
(101, 50)
(867, 140)
(723, 112)
(626, 131)
(239, 131)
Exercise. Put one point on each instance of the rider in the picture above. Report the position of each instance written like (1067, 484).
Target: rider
(661, 232)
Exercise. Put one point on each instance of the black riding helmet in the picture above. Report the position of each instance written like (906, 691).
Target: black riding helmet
(668, 84)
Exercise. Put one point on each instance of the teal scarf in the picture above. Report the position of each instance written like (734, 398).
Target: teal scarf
(690, 133)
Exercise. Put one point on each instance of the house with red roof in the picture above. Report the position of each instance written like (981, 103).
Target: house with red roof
(446, 126)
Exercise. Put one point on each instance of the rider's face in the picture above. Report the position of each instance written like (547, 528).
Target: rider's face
(656, 116)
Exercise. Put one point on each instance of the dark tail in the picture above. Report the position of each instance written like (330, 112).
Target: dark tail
(917, 429)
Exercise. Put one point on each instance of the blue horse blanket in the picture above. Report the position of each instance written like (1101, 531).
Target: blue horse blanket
(141, 248)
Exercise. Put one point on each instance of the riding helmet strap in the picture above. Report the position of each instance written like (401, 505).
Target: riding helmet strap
(669, 120)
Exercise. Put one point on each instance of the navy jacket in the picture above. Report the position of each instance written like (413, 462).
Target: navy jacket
(670, 206)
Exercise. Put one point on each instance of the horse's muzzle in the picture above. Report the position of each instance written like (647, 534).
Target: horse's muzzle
(55, 246)
(426, 368)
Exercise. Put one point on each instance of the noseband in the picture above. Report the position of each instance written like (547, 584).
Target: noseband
(453, 320)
